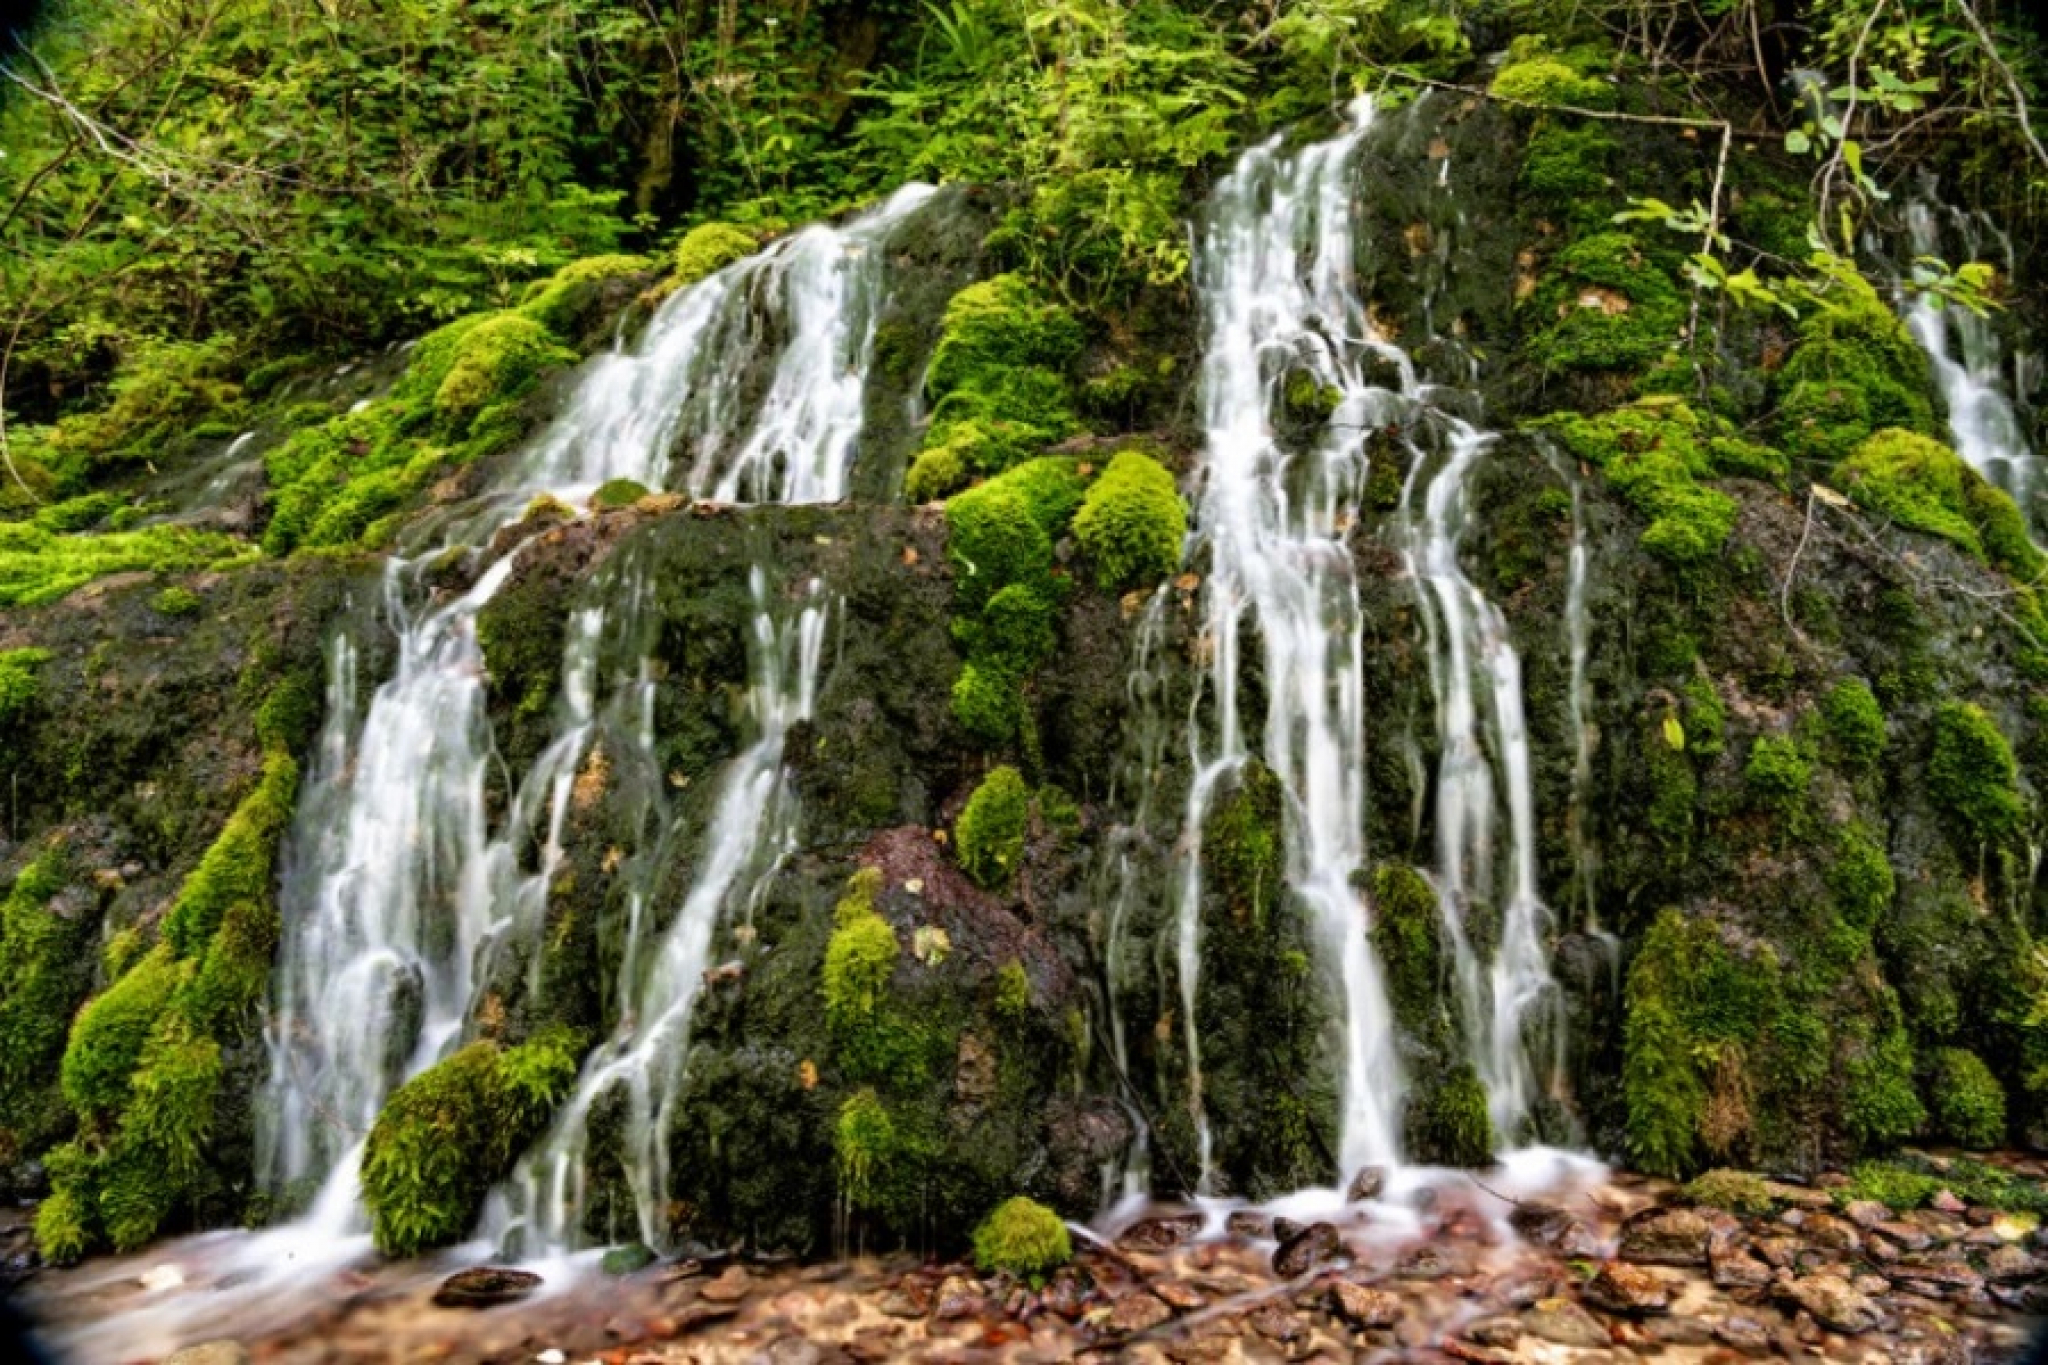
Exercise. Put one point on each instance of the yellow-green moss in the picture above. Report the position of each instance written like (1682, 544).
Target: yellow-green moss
(560, 302)
(1973, 776)
(1604, 302)
(108, 1036)
(497, 360)
(1448, 1121)
(1734, 1191)
(1022, 1238)
(448, 1134)
(871, 1038)
(20, 685)
(1776, 774)
(618, 493)
(1407, 933)
(998, 378)
(39, 974)
(864, 1142)
(1965, 1101)
(1655, 454)
(709, 248)
(1855, 371)
(991, 829)
(1243, 849)
(38, 566)
(1545, 81)
(1922, 485)
(1132, 523)
(1856, 729)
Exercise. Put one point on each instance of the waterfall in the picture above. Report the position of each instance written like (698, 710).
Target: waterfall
(1963, 350)
(1275, 283)
(395, 890)
(1498, 998)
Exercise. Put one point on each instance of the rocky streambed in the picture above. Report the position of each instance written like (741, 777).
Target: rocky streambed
(1577, 1266)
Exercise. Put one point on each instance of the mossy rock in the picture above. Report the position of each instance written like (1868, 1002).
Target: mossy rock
(709, 248)
(1964, 1100)
(1132, 523)
(1024, 1239)
(992, 828)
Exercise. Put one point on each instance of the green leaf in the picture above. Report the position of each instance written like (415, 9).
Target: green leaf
(1797, 142)
(1674, 733)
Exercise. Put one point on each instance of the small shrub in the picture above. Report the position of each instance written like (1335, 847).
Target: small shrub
(990, 832)
(1964, 1099)
(1132, 523)
(1023, 1238)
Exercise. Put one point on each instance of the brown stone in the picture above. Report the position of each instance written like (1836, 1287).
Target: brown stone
(1834, 1303)
(1676, 1237)
(1160, 1234)
(1277, 1322)
(1630, 1290)
(1139, 1312)
(485, 1287)
(1435, 1261)
(1313, 1245)
(1744, 1334)
(910, 1298)
(1184, 1298)
(1363, 1306)
(1501, 1331)
(1459, 1349)
(1367, 1184)
(1867, 1213)
(1834, 1234)
(958, 1297)
(1735, 1268)
(1908, 1236)
(221, 1352)
(1678, 1331)
(1249, 1224)
(731, 1286)
(1565, 1323)
(693, 1316)
(1945, 1202)
(1554, 1229)
(2009, 1263)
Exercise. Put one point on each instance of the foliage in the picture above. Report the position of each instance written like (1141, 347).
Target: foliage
(1544, 80)
(990, 833)
(1132, 522)
(446, 1135)
(1965, 1101)
(1022, 1238)
(1099, 107)
(1973, 776)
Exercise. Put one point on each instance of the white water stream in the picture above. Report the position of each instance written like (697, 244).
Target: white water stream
(396, 888)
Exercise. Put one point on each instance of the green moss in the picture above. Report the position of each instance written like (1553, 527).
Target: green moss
(237, 867)
(1022, 1238)
(865, 1143)
(1660, 1073)
(995, 541)
(709, 248)
(1855, 370)
(1566, 164)
(618, 493)
(1013, 992)
(1892, 1185)
(1776, 775)
(67, 1222)
(1706, 717)
(1924, 486)
(1604, 303)
(988, 702)
(937, 473)
(1973, 776)
(871, 1037)
(109, 1034)
(1448, 1122)
(1546, 81)
(1242, 843)
(1132, 523)
(560, 302)
(1654, 453)
(998, 379)
(1965, 1101)
(1880, 1106)
(1306, 400)
(1673, 788)
(990, 832)
(1856, 730)
(38, 566)
(1860, 876)
(176, 600)
(1407, 934)
(499, 359)
(40, 975)
(1734, 1191)
(448, 1134)
(20, 686)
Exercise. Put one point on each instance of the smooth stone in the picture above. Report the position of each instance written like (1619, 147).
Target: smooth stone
(1744, 1334)
(1160, 1234)
(732, 1285)
(1555, 1229)
(485, 1287)
(221, 1352)
(1737, 1269)
(1139, 1312)
(1367, 1184)
(1564, 1323)
(1364, 1307)
(1316, 1243)
(1834, 1303)
(1675, 1237)
(1618, 1287)
(1250, 1224)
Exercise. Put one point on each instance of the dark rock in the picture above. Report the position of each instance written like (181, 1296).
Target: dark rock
(1435, 1261)
(1629, 1290)
(1286, 1229)
(1313, 1245)
(1676, 1237)
(485, 1287)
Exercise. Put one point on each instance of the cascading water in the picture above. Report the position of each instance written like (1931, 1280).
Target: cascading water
(1275, 273)
(825, 289)
(1963, 349)
(396, 889)
(1499, 998)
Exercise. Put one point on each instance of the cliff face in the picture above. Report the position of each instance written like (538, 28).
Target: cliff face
(1683, 617)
